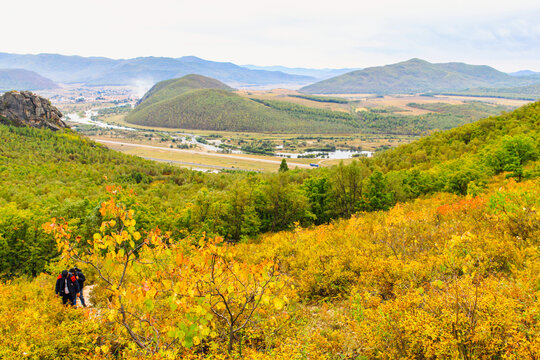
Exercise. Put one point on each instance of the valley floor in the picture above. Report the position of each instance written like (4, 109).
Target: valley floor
(204, 159)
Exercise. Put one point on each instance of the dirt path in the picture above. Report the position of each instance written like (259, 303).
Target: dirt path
(86, 294)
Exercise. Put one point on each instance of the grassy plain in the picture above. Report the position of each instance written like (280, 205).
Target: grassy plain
(193, 160)
(370, 101)
(198, 158)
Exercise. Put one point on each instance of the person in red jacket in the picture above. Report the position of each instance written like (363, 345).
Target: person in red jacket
(80, 279)
(68, 287)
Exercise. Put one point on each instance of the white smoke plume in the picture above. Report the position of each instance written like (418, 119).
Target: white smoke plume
(141, 86)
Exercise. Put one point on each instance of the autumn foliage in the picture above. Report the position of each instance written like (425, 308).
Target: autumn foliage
(166, 298)
(446, 277)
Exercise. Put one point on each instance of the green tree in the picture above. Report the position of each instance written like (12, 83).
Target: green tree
(280, 203)
(347, 187)
(513, 153)
(317, 190)
(378, 195)
(283, 166)
(240, 217)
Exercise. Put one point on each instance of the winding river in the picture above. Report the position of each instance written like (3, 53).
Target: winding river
(188, 138)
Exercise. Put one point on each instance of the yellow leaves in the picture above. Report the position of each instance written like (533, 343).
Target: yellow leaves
(136, 235)
(102, 349)
(438, 284)
(111, 316)
(278, 303)
(151, 293)
(129, 222)
(199, 310)
(179, 258)
(167, 284)
(205, 331)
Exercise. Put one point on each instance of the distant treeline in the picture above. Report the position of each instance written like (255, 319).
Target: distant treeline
(323, 99)
(528, 92)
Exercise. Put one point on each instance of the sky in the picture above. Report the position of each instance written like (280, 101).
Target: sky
(295, 33)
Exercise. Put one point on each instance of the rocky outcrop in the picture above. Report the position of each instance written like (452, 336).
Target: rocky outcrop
(23, 108)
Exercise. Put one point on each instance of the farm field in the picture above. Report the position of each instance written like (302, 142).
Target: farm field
(400, 101)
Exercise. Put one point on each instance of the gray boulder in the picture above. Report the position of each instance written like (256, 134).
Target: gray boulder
(24, 108)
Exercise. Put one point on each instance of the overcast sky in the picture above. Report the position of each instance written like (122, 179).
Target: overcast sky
(297, 33)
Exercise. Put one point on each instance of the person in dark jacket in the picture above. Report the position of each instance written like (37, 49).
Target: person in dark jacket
(80, 279)
(68, 287)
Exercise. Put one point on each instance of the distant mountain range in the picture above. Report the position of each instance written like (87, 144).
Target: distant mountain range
(415, 76)
(20, 79)
(105, 71)
(43, 71)
(319, 74)
(525, 73)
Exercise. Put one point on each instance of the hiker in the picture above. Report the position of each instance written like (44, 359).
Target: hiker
(67, 286)
(80, 279)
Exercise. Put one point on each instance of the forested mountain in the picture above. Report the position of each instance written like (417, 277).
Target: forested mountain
(197, 102)
(167, 89)
(414, 76)
(20, 79)
(105, 71)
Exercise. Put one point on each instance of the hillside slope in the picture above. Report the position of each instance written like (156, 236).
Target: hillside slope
(198, 102)
(471, 141)
(20, 79)
(46, 174)
(444, 276)
(415, 76)
(167, 89)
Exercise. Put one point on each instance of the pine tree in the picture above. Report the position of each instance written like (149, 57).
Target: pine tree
(283, 166)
